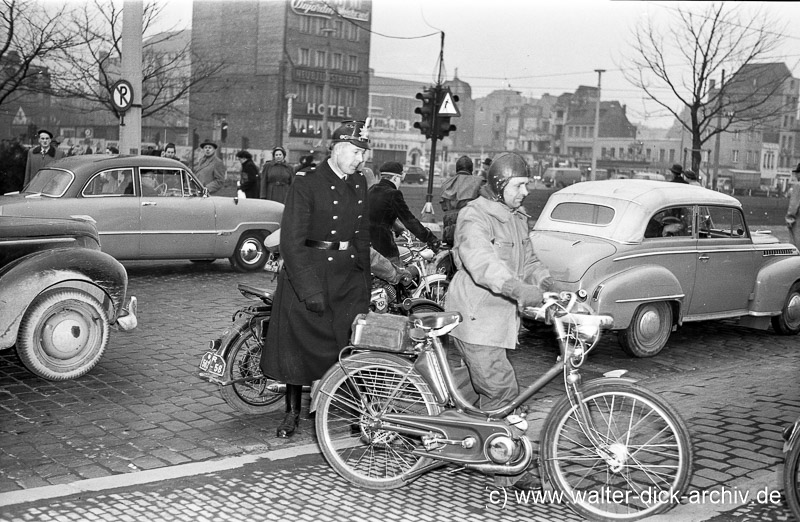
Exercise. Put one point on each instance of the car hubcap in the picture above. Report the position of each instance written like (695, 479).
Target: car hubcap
(793, 311)
(250, 252)
(65, 334)
(649, 325)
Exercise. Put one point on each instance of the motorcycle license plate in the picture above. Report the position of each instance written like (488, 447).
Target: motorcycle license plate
(213, 364)
(272, 265)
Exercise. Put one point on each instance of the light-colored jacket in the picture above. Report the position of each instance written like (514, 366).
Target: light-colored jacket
(492, 251)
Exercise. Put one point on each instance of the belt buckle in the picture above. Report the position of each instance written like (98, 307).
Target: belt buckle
(343, 245)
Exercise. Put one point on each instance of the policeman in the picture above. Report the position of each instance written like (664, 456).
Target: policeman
(326, 278)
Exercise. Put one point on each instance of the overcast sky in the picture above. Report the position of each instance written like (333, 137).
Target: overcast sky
(534, 47)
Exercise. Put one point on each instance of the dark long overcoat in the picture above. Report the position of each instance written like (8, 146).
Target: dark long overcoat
(250, 180)
(302, 345)
(387, 204)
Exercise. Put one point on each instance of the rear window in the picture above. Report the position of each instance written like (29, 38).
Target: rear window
(586, 213)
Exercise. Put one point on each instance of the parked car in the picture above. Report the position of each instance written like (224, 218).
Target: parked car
(148, 207)
(415, 175)
(560, 177)
(59, 295)
(655, 255)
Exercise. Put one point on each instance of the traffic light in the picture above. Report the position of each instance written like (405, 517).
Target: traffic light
(224, 130)
(443, 126)
(427, 111)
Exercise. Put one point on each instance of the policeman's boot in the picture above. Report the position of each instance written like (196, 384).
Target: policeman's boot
(294, 395)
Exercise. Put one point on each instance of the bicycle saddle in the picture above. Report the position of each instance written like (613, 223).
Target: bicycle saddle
(434, 320)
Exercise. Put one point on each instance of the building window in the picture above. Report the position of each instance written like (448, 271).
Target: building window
(735, 156)
(336, 60)
(319, 59)
(352, 32)
(318, 92)
(497, 118)
(352, 63)
(621, 152)
(338, 31)
(611, 150)
(304, 58)
(306, 24)
(602, 152)
(350, 98)
(662, 155)
(671, 155)
(302, 92)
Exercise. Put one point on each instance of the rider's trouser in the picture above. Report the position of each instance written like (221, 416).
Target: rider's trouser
(490, 372)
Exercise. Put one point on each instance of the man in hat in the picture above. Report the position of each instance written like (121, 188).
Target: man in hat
(691, 177)
(276, 176)
(41, 155)
(326, 278)
(793, 212)
(210, 169)
(483, 172)
(387, 205)
(677, 173)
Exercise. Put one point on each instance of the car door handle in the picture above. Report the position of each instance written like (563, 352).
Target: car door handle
(149, 203)
(703, 257)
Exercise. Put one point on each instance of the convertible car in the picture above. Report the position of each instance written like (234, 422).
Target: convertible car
(655, 254)
(147, 207)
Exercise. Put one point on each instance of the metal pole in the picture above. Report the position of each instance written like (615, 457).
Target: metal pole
(326, 87)
(130, 134)
(593, 174)
(717, 138)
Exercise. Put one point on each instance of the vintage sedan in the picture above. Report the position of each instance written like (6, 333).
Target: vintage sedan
(147, 207)
(59, 295)
(655, 255)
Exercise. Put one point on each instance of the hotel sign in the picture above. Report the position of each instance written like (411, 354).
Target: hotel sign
(318, 76)
(352, 9)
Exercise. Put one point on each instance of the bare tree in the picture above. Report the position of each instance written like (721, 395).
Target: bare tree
(89, 72)
(691, 59)
(29, 35)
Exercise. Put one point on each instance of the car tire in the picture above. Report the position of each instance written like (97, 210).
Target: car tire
(250, 254)
(788, 322)
(63, 334)
(649, 330)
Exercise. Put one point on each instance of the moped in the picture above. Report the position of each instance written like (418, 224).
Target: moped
(232, 360)
(791, 467)
(390, 411)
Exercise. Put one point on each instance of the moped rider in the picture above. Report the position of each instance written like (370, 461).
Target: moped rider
(498, 274)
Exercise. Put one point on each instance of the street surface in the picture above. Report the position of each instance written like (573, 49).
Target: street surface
(142, 437)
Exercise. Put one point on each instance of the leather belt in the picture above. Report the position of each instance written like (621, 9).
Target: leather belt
(328, 245)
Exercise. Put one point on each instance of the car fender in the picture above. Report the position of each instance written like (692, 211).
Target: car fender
(772, 284)
(29, 276)
(620, 294)
(427, 279)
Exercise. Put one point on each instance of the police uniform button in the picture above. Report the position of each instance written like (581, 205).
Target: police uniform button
(335, 202)
(352, 256)
(333, 231)
(357, 186)
(359, 201)
(330, 259)
(359, 216)
(335, 217)
(333, 188)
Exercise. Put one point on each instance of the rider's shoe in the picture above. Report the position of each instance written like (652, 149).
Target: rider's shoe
(294, 394)
(528, 481)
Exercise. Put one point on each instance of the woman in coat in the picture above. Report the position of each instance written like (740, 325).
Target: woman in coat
(276, 176)
(249, 182)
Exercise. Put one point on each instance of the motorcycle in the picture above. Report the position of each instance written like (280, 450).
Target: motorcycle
(427, 283)
(791, 467)
(232, 361)
(389, 411)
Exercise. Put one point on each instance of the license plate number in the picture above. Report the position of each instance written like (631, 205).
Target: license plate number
(213, 364)
(272, 266)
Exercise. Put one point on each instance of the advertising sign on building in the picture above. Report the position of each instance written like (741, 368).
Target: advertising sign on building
(352, 9)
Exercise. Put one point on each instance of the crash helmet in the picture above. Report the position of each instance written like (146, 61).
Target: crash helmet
(504, 167)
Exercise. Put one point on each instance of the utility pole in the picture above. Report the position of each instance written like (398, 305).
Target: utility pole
(130, 134)
(717, 138)
(326, 86)
(593, 174)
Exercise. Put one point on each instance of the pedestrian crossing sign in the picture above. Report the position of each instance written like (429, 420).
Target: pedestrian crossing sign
(448, 106)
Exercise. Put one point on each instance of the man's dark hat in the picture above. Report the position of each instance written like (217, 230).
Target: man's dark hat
(391, 167)
(487, 161)
(795, 171)
(45, 131)
(690, 174)
(208, 142)
(677, 169)
(353, 132)
(244, 154)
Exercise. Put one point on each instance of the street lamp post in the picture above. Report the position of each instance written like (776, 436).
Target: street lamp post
(593, 174)
(326, 86)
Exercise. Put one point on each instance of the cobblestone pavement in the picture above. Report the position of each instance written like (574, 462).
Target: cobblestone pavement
(144, 408)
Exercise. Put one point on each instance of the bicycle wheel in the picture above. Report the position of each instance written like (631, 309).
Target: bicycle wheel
(255, 394)
(791, 480)
(352, 400)
(644, 464)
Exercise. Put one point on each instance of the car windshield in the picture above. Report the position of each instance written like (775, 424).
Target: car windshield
(50, 182)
